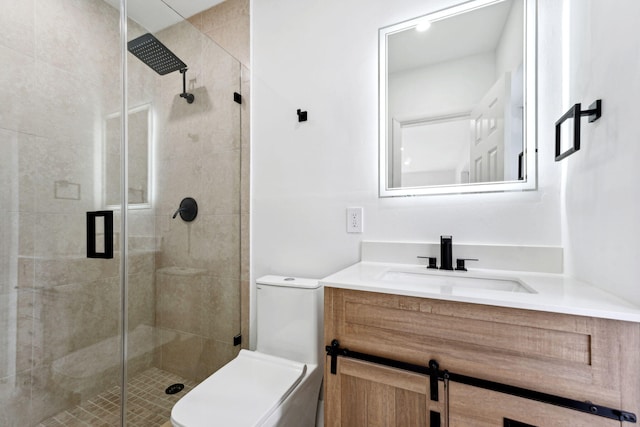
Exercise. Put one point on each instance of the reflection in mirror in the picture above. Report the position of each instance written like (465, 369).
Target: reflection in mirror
(139, 155)
(457, 100)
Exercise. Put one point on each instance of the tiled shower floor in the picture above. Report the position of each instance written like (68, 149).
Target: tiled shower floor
(147, 405)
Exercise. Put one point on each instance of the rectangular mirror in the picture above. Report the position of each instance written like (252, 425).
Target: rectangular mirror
(457, 100)
(139, 155)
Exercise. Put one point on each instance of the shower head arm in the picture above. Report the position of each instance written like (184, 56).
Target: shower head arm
(188, 96)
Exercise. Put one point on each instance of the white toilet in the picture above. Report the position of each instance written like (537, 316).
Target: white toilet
(279, 383)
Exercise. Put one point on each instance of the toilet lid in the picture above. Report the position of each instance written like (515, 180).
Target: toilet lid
(244, 392)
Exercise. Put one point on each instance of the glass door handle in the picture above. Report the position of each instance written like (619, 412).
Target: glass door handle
(107, 250)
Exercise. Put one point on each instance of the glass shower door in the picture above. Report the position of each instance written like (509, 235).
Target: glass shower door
(60, 312)
(183, 275)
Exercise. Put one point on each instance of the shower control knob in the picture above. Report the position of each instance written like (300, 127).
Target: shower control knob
(188, 209)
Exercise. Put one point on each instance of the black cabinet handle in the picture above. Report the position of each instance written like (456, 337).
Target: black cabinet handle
(514, 423)
(108, 234)
(434, 419)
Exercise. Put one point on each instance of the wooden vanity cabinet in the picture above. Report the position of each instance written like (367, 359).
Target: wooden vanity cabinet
(576, 357)
(367, 394)
(472, 406)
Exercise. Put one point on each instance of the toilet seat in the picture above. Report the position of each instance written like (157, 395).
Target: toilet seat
(244, 392)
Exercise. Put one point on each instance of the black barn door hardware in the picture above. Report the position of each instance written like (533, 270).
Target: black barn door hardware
(302, 115)
(594, 112)
(433, 370)
(107, 252)
(434, 418)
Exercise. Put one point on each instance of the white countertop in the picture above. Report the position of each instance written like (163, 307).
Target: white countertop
(554, 293)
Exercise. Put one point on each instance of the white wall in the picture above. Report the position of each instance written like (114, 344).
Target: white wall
(443, 88)
(434, 153)
(601, 212)
(509, 52)
(322, 57)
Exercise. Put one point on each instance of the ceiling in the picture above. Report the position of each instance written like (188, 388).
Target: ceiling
(477, 31)
(155, 15)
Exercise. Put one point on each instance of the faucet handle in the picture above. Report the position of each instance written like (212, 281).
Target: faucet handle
(460, 263)
(177, 212)
(432, 261)
(188, 209)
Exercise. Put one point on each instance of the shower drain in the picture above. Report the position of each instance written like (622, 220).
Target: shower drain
(174, 388)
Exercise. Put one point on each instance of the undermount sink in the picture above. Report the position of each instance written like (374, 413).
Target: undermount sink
(450, 282)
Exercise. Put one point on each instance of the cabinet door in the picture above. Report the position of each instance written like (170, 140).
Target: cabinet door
(475, 407)
(366, 394)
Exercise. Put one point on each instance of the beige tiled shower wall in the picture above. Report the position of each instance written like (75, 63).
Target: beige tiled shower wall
(202, 266)
(229, 25)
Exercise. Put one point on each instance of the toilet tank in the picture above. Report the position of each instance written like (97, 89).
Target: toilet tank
(289, 316)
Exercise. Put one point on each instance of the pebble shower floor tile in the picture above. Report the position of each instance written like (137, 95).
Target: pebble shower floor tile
(147, 404)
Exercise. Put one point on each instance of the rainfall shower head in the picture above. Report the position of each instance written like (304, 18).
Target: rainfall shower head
(152, 52)
(160, 59)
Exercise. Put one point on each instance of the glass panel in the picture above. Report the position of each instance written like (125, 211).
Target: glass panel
(59, 311)
(184, 276)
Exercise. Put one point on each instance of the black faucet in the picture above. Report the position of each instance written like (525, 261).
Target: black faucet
(446, 253)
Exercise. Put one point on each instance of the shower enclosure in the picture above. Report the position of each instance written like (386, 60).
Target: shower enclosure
(86, 126)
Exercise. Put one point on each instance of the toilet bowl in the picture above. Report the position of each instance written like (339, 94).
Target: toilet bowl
(279, 383)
